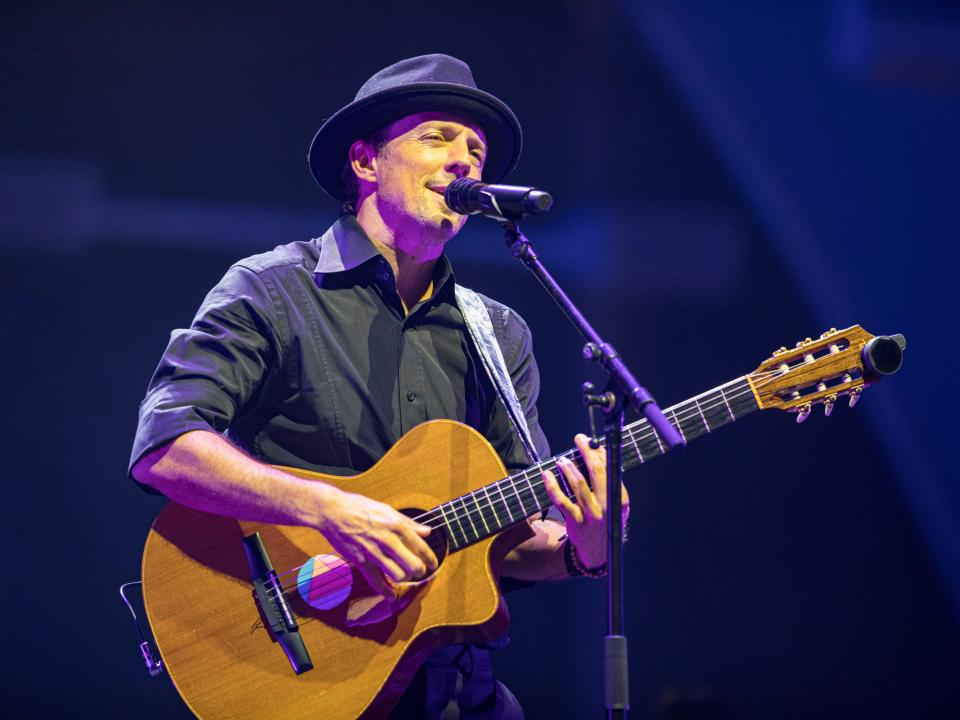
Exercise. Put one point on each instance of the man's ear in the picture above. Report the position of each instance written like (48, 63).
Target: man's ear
(363, 161)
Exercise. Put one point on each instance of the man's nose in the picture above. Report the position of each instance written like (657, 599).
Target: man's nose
(458, 162)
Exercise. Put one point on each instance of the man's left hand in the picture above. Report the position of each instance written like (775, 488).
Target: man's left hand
(587, 517)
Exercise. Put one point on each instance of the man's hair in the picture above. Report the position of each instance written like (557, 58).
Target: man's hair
(351, 185)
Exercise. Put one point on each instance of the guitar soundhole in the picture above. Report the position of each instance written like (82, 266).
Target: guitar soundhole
(437, 540)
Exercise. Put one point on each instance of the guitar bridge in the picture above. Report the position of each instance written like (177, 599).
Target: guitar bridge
(274, 608)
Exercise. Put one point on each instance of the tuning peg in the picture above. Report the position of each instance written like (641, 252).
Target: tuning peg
(779, 351)
(855, 396)
(828, 405)
(803, 413)
(828, 333)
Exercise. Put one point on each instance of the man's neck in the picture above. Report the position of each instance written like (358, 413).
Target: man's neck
(412, 259)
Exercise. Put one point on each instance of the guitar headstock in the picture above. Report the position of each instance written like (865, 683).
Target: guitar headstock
(839, 363)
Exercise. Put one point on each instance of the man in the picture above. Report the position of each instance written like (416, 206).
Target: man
(322, 354)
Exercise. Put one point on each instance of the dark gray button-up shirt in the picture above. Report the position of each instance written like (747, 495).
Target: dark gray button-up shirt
(304, 357)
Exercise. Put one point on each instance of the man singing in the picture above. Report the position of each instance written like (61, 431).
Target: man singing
(322, 354)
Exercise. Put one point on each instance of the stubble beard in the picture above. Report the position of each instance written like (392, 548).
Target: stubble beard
(424, 234)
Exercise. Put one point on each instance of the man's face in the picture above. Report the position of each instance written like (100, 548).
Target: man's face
(423, 154)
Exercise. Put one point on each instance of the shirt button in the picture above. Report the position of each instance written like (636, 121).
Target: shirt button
(411, 396)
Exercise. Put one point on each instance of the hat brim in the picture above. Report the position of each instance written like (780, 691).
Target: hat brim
(328, 151)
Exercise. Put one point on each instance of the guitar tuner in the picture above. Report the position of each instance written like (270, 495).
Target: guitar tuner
(828, 333)
(803, 412)
(828, 404)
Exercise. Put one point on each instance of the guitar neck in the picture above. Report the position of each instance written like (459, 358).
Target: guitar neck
(484, 512)
(697, 416)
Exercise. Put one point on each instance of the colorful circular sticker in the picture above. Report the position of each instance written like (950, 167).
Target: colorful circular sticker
(324, 581)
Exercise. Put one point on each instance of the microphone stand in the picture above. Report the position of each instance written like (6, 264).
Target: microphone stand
(622, 389)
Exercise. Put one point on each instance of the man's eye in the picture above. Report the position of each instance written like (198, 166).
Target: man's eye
(434, 136)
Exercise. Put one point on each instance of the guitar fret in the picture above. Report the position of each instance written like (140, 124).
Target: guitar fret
(446, 522)
(505, 503)
(633, 441)
(692, 419)
(480, 511)
(714, 410)
(732, 416)
(456, 516)
(523, 510)
(476, 535)
(533, 492)
(702, 417)
(496, 515)
(677, 424)
(561, 480)
(745, 400)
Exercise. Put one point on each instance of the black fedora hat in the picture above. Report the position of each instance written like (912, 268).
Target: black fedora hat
(427, 83)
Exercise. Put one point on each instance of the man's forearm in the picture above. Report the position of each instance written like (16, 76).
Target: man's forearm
(204, 471)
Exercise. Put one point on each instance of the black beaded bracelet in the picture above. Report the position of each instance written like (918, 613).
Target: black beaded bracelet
(575, 566)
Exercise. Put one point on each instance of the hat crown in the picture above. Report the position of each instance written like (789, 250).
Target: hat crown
(435, 68)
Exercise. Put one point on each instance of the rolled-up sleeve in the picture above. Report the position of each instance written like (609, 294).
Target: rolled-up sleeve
(210, 370)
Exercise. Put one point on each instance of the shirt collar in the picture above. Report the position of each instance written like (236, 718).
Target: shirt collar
(346, 246)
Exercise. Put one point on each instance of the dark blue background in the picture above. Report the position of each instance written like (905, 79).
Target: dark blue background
(728, 178)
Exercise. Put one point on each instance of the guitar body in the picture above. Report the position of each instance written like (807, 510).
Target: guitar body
(223, 660)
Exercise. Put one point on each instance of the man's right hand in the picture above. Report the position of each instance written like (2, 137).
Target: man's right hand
(203, 470)
(384, 545)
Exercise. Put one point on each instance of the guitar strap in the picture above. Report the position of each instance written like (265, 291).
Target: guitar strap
(480, 327)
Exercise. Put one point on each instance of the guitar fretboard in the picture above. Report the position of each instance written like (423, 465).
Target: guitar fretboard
(485, 512)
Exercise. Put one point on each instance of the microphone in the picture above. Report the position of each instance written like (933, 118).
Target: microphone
(501, 202)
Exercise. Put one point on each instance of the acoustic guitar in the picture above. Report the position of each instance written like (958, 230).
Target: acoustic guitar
(255, 620)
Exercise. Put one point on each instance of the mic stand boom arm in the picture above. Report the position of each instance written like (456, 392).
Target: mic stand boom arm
(622, 389)
(596, 349)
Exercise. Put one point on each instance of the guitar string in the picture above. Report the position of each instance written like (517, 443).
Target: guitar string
(641, 433)
(325, 586)
(316, 590)
(645, 432)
